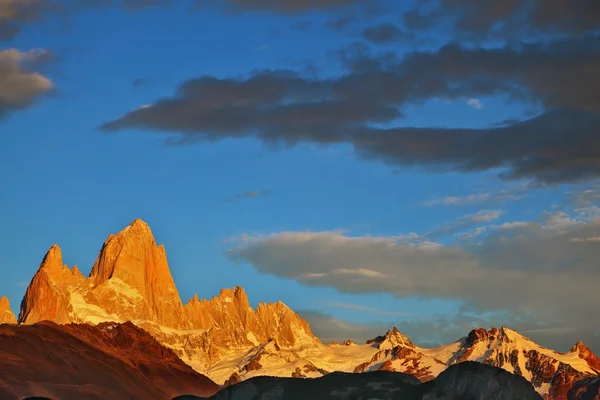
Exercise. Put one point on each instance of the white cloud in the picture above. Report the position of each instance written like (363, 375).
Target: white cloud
(459, 200)
(534, 268)
(475, 104)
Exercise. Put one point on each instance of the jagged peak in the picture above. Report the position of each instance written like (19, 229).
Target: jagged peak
(4, 303)
(53, 258)
(7, 316)
(394, 338)
(579, 347)
(138, 229)
(235, 295)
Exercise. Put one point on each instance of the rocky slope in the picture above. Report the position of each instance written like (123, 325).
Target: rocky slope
(6, 314)
(226, 339)
(108, 361)
(468, 380)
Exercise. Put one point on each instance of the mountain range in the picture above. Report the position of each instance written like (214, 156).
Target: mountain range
(130, 298)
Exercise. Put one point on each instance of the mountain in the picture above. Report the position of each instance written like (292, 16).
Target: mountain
(467, 380)
(227, 340)
(107, 361)
(6, 314)
(549, 371)
(131, 281)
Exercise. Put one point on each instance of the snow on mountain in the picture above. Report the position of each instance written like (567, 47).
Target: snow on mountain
(227, 340)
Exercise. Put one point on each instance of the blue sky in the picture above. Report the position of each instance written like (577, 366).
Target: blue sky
(68, 182)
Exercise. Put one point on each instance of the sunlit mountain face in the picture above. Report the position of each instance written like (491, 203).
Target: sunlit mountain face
(343, 187)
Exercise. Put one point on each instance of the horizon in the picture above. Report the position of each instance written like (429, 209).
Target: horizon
(429, 165)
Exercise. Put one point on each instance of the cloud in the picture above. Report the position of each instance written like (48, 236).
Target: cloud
(248, 195)
(328, 328)
(512, 193)
(292, 6)
(359, 307)
(534, 270)
(282, 106)
(437, 330)
(466, 222)
(20, 86)
(386, 33)
(475, 104)
(14, 14)
(509, 17)
(459, 200)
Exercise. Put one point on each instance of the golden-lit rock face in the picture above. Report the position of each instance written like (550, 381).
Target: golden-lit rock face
(231, 318)
(131, 281)
(6, 314)
(47, 296)
(133, 261)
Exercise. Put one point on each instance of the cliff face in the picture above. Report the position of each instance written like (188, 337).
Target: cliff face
(130, 264)
(131, 281)
(48, 295)
(6, 314)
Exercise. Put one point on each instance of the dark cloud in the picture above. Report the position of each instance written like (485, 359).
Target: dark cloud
(290, 6)
(14, 14)
(510, 16)
(286, 107)
(561, 146)
(386, 33)
(20, 84)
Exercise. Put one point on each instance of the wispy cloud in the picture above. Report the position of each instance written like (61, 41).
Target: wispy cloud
(488, 197)
(359, 307)
(475, 104)
(466, 222)
(248, 195)
(458, 200)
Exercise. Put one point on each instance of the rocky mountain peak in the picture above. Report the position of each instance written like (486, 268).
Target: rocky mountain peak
(47, 296)
(6, 314)
(394, 338)
(131, 263)
(586, 354)
(237, 295)
(53, 260)
(481, 335)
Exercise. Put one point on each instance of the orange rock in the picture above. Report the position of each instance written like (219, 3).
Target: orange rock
(131, 281)
(6, 314)
(132, 258)
(47, 296)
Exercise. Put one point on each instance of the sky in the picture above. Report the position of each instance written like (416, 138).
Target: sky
(428, 164)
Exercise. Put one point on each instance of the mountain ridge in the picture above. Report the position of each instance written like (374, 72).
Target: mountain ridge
(229, 341)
